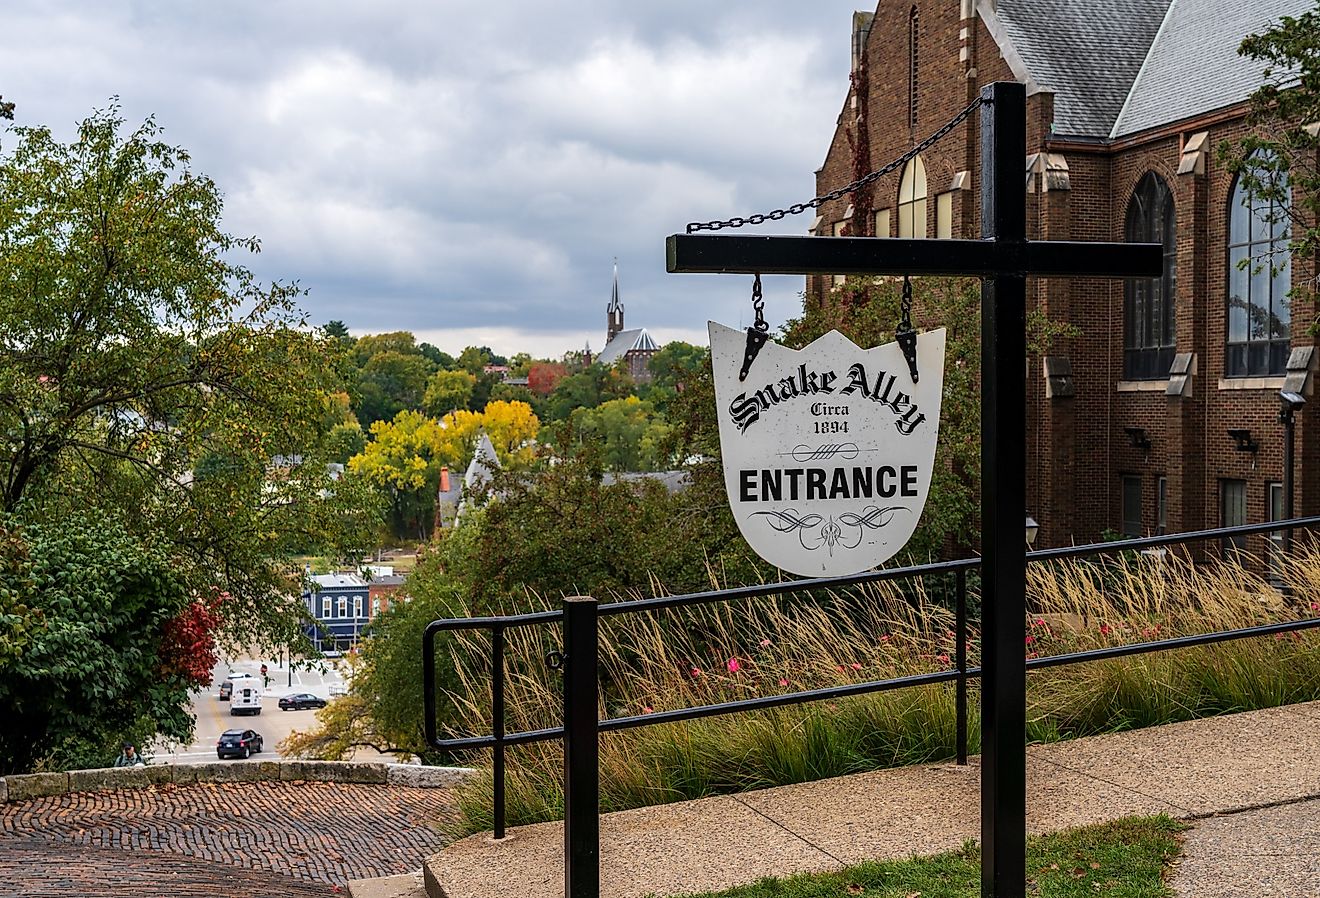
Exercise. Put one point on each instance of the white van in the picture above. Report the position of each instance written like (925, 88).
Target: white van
(246, 697)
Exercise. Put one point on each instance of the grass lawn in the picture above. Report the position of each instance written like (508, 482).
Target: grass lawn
(1124, 859)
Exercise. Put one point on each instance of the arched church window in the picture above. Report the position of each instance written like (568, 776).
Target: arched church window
(1259, 278)
(912, 200)
(1148, 322)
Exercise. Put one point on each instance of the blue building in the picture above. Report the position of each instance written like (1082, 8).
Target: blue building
(338, 603)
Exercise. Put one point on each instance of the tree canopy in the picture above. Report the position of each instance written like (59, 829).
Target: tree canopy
(147, 378)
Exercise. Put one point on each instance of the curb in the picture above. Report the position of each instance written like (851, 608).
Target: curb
(24, 787)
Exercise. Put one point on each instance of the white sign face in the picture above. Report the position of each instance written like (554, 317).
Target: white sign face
(828, 450)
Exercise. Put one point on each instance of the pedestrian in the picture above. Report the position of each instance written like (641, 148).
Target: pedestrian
(129, 757)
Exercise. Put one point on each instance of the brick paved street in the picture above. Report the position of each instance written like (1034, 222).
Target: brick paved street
(239, 840)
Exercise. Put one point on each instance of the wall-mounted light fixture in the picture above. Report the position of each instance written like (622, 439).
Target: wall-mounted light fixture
(1138, 437)
(1243, 440)
(1032, 529)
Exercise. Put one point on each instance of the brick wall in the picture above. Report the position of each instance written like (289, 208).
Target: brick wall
(1077, 447)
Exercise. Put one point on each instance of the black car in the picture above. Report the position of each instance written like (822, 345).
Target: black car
(238, 744)
(226, 690)
(301, 700)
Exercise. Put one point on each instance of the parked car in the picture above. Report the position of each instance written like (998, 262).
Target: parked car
(339, 688)
(238, 744)
(301, 700)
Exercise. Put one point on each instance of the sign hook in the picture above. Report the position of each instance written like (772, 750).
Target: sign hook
(904, 334)
(759, 332)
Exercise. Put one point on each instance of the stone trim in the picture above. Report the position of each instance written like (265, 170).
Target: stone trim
(1142, 386)
(1251, 383)
(40, 785)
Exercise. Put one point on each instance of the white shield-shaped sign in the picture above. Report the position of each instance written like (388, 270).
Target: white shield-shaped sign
(828, 450)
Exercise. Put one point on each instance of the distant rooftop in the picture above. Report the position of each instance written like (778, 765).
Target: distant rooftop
(625, 342)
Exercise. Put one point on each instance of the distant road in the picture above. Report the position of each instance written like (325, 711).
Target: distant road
(213, 716)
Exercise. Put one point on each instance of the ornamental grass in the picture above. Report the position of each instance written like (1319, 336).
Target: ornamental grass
(681, 658)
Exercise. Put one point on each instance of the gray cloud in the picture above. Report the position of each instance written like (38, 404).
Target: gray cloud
(457, 168)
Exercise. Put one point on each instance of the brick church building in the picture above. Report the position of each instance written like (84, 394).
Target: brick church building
(1162, 415)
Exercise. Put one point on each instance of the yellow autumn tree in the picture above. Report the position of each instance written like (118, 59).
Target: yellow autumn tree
(405, 456)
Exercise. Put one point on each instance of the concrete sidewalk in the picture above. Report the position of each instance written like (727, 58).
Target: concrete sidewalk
(1188, 770)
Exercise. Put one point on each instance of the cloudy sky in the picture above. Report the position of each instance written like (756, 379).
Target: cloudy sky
(465, 170)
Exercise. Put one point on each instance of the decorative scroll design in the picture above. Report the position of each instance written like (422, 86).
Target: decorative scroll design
(816, 531)
(803, 453)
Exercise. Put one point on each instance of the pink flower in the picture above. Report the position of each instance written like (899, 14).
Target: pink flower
(943, 659)
(884, 638)
(734, 665)
(647, 709)
(839, 668)
(855, 666)
(765, 643)
(1040, 622)
(1030, 640)
(1031, 655)
(696, 672)
(1104, 630)
(783, 682)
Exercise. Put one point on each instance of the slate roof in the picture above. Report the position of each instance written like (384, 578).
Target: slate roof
(1194, 67)
(625, 342)
(1087, 53)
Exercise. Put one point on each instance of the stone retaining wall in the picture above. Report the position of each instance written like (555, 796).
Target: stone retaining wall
(39, 785)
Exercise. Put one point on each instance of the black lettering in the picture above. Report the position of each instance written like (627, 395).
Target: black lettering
(744, 412)
(909, 480)
(839, 484)
(788, 386)
(772, 485)
(815, 484)
(907, 423)
(857, 381)
(746, 486)
(886, 490)
(794, 475)
(861, 483)
(884, 397)
(827, 381)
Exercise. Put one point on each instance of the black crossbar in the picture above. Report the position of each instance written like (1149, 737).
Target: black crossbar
(768, 254)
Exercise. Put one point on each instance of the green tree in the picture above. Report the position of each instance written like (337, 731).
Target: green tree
(368, 345)
(587, 388)
(448, 391)
(345, 441)
(437, 357)
(133, 345)
(391, 382)
(474, 360)
(632, 434)
(337, 330)
(672, 368)
(1279, 158)
(96, 667)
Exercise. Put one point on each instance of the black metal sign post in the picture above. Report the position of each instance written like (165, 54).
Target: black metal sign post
(1004, 258)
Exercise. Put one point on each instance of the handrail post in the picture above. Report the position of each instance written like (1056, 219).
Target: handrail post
(581, 757)
(497, 723)
(960, 634)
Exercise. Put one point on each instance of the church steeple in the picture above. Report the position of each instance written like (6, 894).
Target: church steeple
(614, 311)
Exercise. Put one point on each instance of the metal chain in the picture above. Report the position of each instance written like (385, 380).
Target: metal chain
(759, 304)
(817, 202)
(905, 306)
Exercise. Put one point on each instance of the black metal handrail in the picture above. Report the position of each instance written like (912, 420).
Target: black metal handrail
(960, 674)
